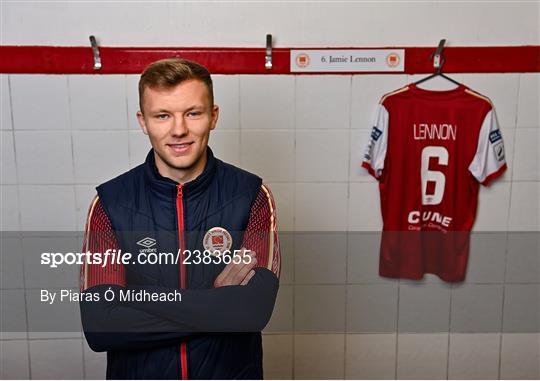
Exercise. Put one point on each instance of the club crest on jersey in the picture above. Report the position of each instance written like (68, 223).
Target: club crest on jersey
(375, 133)
(217, 240)
(495, 136)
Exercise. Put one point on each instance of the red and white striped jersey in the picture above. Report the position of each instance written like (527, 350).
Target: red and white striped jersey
(430, 150)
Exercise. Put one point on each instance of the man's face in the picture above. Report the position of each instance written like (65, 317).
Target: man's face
(178, 121)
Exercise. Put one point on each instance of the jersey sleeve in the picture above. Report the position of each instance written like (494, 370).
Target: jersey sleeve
(261, 232)
(100, 237)
(489, 160)
(375, 153)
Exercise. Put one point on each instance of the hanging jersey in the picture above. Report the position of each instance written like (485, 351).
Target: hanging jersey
(430, 150)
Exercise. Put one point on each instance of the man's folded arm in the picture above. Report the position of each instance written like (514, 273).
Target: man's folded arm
(114, 325)
(225, 309)
(233, 308)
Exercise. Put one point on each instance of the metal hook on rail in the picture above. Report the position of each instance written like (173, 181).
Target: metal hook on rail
(95, 51)
(438, 59)
(268, 56)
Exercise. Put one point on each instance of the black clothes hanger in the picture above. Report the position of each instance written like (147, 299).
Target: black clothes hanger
(438, 61)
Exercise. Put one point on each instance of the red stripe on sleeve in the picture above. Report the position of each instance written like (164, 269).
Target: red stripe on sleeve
(261, 232)
(368, 167)
(100, 237)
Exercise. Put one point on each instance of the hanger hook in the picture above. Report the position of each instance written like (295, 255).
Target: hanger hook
(268, 56)
(438, 58)
(95, 52)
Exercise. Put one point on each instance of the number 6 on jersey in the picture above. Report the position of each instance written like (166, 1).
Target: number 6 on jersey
(436, 176)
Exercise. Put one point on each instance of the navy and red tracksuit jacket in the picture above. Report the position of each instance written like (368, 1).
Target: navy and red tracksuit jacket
(212, 332)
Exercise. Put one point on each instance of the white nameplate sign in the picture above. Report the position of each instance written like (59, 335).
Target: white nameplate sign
(353, 60)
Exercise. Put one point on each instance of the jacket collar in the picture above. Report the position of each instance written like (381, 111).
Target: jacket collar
(167, 187)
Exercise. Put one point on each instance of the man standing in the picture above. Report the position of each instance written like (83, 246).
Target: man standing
(181, 200)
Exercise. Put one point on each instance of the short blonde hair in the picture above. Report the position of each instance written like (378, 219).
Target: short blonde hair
(169, 72)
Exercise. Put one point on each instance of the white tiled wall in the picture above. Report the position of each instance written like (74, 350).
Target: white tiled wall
(61, 135)
(323, 102)
(513, 363)
(430, 350)
(319, 356)
(322, 156)
(474, 356)
(5, 103)
(370, 356)
(48, 356)
(99, 155)
(98, 102)
(44, 157)
(258, 150)
(305, 136)
(15, 364)
(9, 174)
(267, 102)
(527, 112)
(284, 128)
(296, 24)
(40, 102)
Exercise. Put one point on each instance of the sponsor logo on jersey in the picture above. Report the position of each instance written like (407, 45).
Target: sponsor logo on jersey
(148, 244)
(428, 219)
(495, 136)
(217, 240)
(375, 133)
(499, 151)
(369, 149)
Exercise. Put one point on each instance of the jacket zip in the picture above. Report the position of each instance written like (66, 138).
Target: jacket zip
(181, 247)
